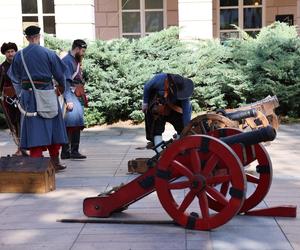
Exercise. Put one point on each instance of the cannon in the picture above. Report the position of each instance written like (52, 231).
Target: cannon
(251, 116)
(210, 171)
(205, 124)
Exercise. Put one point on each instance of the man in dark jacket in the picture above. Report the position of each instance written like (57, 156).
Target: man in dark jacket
(166, 99)
(8, 94)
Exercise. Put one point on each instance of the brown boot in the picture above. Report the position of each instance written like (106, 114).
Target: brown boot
(58, 166)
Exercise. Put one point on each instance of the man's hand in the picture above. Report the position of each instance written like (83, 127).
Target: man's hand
(70, 106)
(144, 107)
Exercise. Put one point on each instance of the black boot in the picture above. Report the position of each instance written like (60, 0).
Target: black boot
(75, 140)
(65, 151)
(58, 166)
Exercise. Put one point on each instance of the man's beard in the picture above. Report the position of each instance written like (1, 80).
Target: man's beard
(78, 58)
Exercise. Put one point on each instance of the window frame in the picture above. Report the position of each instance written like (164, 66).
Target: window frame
(240, 8)
(40, 15)
(142, 12)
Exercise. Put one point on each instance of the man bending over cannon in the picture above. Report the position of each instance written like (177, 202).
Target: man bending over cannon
(166, 99)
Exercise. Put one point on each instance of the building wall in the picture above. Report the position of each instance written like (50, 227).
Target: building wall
(298, 16)
(11, 22)
(195, 19)
(272, 8)
(107, 20)
(75, 19)
(172, 13)
(279, 7)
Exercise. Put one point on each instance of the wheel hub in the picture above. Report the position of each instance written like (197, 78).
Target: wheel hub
(198, 183)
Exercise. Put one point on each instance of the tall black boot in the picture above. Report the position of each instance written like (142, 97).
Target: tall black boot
(75, 140)
(58, 166)
(65, 151)
(66, 148)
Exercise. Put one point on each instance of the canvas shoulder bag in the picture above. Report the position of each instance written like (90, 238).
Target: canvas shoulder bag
(46, 100)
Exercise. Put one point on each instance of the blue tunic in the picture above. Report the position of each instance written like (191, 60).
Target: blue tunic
(43, 64)
(157, 83)
(74, 117)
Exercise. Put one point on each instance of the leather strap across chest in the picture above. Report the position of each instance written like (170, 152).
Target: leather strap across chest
(166, 94)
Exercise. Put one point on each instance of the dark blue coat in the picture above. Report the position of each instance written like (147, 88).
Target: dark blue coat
(74, 117)
(43, 64)
(157, 84)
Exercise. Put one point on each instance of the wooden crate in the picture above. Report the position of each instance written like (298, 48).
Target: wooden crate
(138, 165)
(26, 175)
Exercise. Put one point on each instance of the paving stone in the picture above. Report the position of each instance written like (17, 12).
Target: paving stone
(31, 219)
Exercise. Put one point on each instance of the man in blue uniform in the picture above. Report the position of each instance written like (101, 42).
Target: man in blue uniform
(75, 98)
(166, 99)
(38, 133)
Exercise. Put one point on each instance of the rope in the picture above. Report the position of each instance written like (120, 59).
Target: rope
(111, 191)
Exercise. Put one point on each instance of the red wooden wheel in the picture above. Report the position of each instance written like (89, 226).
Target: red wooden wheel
(185, 196)
(258, 171)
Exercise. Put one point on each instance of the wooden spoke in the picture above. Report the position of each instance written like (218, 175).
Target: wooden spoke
(224, 188)
(210, 165)
(203, 203)
(179, 185)
(217, 195)
(252, 178)
(195, 160)
(182, 169)
(187, 201)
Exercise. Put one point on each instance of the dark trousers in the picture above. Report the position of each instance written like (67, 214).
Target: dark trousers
(74, 140)
(155, 125)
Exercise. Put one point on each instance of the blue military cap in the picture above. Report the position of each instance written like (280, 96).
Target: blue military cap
(32, 30)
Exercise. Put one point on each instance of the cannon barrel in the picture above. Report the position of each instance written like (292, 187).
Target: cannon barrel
(252, 137)
(242, 114)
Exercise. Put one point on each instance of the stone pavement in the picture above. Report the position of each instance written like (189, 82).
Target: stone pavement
(28, 221)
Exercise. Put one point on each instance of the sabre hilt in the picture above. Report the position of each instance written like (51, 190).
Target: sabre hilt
(240, 115)
(253, 137)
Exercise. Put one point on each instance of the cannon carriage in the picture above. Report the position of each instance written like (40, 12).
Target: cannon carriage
(209, 170)
(248, 117)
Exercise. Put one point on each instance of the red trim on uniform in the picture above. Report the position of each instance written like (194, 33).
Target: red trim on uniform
(37, 152)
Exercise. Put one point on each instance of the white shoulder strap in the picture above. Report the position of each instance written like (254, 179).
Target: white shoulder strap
(76, 72)
(26, 69)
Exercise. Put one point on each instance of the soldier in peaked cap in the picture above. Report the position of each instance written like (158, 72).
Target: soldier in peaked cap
(32, 30)
(166, 99)
(38, 133)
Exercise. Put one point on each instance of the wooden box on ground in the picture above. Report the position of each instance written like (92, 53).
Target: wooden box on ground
(26, 175)
(138, 165)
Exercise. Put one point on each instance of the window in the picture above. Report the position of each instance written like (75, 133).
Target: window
(289, 19)
(141, 17)
(246, 14)
(39, 12)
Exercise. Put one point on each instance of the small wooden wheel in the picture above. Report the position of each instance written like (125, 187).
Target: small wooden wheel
(205, 123)
(195, 181)
(258, 171)
(257, 122)
(273, 120)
